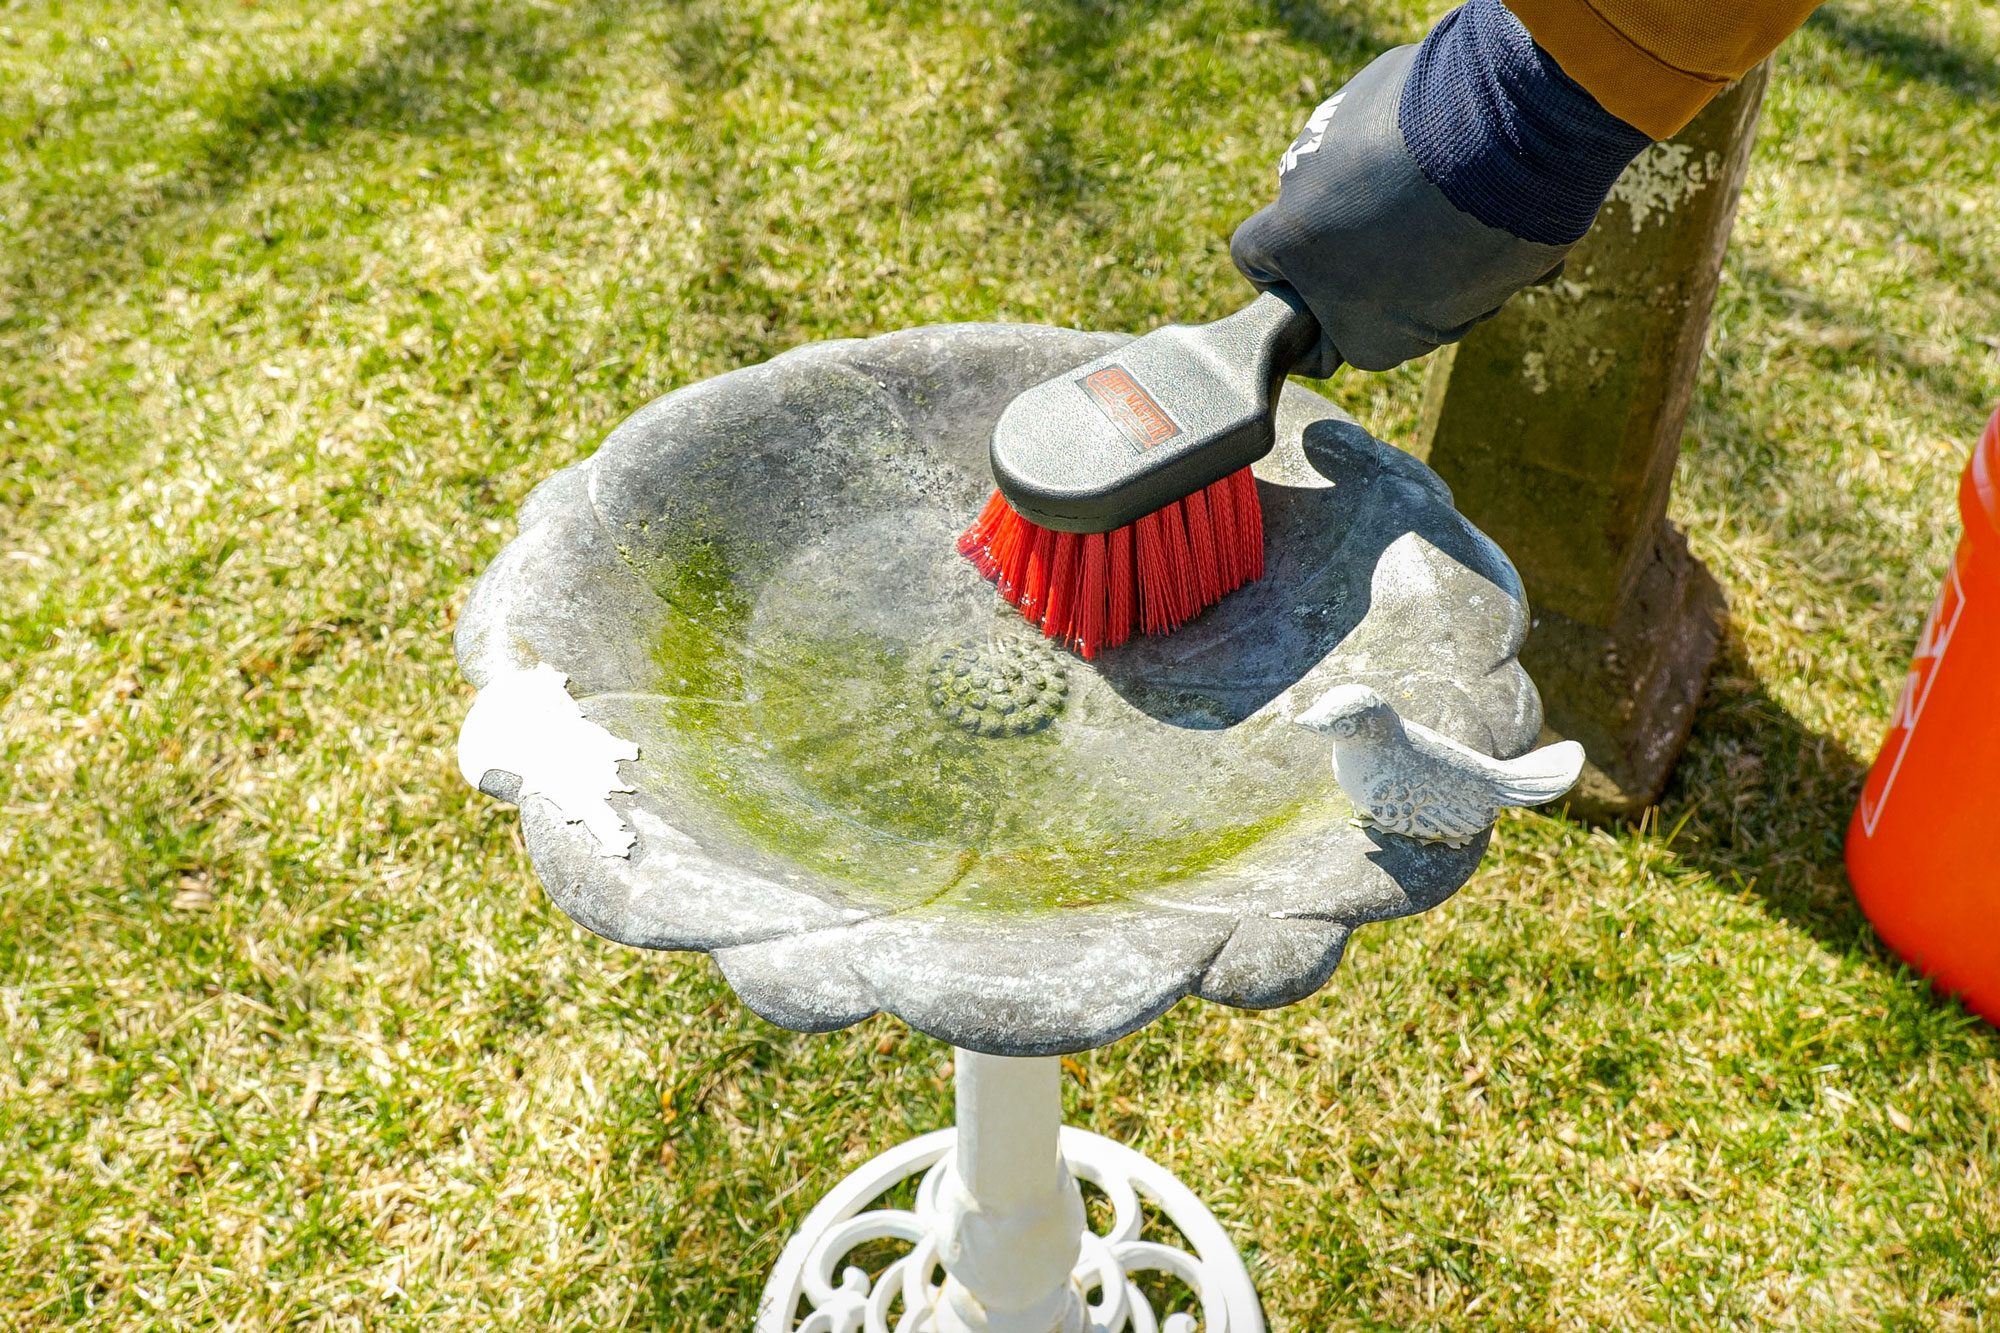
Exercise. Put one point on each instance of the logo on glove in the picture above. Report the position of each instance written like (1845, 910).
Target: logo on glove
(1312, 135)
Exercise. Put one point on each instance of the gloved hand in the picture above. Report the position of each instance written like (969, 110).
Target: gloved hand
(1389, 265)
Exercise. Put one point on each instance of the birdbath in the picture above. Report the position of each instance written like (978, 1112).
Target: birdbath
(751, 701)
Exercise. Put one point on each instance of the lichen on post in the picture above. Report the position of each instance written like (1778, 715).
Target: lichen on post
(1557, 425)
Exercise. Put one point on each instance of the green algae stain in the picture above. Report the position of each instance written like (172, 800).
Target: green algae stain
(1101, 870)
(820, 745)
(706, 614)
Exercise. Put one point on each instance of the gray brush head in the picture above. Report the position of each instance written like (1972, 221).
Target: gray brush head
(1107, 443)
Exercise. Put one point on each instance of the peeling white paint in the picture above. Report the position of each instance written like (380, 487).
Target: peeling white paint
(1663, 178)
(1568, 289)
(525, 723)
(1534, 371)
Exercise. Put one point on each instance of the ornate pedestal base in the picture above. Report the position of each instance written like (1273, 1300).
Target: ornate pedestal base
(955, 1232)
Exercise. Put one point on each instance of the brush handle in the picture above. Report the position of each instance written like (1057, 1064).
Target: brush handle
(1275, 331)
(1154, 420)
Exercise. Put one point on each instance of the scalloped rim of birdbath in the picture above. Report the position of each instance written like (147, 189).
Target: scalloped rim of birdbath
(862, 783)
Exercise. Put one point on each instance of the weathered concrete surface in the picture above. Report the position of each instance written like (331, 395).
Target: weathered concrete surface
(754, 581)
(1557, 425)
(1628, 692)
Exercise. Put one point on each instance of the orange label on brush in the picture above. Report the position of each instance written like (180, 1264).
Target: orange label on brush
(1129, 406)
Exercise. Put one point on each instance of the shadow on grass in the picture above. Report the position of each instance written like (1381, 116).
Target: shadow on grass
(1738, 427)
(1766, 799)
(1348, 35)
(1767, 802)
(1904, 54)
(1080, 52)
(1843, 336)
(434, 79)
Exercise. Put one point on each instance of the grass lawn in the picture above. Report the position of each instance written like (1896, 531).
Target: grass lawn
(297, 300)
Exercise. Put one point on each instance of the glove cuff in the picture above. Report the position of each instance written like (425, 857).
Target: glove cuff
(1504, 134)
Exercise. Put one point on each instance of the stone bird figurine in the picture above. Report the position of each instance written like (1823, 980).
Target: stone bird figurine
(1406, 778)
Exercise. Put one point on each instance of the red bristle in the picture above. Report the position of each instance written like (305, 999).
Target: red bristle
(1207, 568)
(1095, 591)
(1091, 596)
(1180, 564)
(1222, 517)
(979, 536)
(1059, 606)
(977, 541)
(1155, 575)
(989, 535)
(1011, 548)
(1121, 584)
(1249, 526)
(1035, 586)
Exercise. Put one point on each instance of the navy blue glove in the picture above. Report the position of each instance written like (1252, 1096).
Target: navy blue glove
(1438, 182)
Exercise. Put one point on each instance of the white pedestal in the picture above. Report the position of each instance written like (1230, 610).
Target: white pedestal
(998, 1241)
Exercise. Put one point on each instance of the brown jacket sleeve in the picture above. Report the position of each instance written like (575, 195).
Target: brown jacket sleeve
(1654, 63)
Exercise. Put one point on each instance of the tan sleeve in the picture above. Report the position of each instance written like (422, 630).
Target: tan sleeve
(1654, 63)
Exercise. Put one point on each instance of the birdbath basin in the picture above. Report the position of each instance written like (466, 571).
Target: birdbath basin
(796, 730)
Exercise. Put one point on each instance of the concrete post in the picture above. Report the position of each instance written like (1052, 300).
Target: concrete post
(1557, 425)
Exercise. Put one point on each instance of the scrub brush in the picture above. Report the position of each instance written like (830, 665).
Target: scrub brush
(1125, 498)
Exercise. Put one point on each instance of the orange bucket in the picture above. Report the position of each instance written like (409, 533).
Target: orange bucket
(1923, 849)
